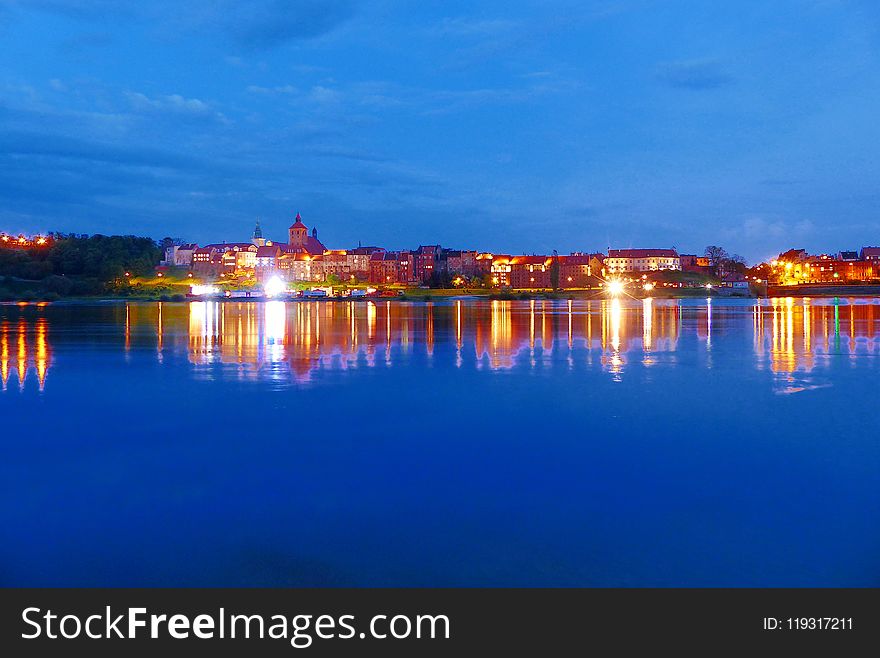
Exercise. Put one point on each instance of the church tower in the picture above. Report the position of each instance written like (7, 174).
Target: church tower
(258, 238)
(298, 233)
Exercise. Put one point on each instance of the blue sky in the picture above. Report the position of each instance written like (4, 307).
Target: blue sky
(519, 126)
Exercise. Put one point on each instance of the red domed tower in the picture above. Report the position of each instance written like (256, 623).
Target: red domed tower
(298, 233)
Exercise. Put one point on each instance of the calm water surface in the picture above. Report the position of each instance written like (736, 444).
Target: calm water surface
(471, 442)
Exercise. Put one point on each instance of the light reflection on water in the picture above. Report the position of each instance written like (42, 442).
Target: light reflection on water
(289, 342)
(462, 442)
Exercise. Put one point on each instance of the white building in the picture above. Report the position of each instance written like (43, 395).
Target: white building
(641, 260)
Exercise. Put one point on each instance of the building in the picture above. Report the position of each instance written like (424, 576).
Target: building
(427, 260)
(240, 258)
(735, 280)
(359, 261)
(597, 265)
(258, 238)
(387, 267)
(694, 263)
(821, 269)
(461, 262)
(530, 271)
(266, 260)
(300, 242)
(500, 269)
(848, 255)
(208, 259)
(871, 254)
(180, 255)
(641, 260)
(575, 271)
(483, 264)
(300, 266)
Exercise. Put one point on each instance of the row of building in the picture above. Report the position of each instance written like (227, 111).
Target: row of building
(304, 258)
(797, 266)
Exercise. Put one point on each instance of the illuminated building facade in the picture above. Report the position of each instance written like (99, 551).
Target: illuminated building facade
(461, 262)
(392, 267)
(530, 271)
(641, 260)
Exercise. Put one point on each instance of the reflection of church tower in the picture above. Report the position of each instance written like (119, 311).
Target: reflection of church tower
(258, 235)
(298, 233)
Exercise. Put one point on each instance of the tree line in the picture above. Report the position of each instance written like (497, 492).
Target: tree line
(80, 264)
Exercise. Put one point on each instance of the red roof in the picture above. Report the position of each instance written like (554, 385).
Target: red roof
(579, 259)
(298, 222)
(530, 260)
(268, 252)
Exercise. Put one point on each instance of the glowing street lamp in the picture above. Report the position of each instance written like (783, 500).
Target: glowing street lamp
(615, 287)
(274, 287)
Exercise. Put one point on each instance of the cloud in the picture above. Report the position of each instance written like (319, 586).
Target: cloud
(280, 89)
(254, 25)
(320, 94)
(174, 104)
(61, 146)
(265, 24)
(464, 27)
(696, 75)
(758, 228)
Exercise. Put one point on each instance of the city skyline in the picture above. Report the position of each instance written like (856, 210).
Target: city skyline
(525, 126)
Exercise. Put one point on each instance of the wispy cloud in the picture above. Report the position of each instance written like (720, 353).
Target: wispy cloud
(269, 91)
(696, 75)
(253, 25)
(264, 24)
(174, 104)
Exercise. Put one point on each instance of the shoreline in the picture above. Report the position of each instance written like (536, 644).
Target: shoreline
(776, 292)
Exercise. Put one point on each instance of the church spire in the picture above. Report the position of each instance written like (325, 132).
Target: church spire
(258, 235)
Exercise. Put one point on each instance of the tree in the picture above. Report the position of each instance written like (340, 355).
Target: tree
(164, 243)
(725, 263)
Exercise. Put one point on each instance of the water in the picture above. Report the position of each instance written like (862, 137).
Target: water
(471, 442)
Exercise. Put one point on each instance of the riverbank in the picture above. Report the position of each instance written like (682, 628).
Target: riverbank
(823, 290)
(403, 295)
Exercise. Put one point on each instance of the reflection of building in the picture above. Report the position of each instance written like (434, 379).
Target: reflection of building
(24, 349)
(793, 332)
(296, 340)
